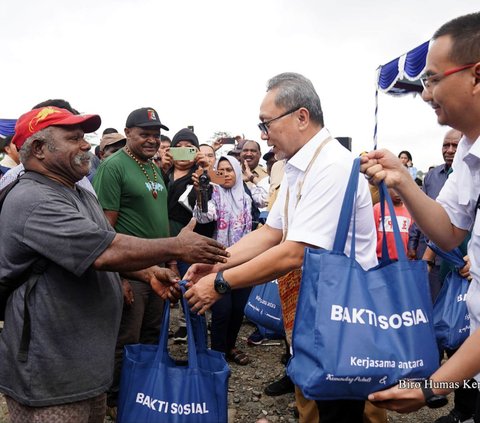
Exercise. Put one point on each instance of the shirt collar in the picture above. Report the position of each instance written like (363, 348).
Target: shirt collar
(472, 157)
(302, 157)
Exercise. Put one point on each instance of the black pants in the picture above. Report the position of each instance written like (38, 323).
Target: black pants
(341, 411)
(227, 317)
(465, 399)
(476, 418)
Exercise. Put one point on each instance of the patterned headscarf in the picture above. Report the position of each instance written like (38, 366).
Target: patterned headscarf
(234, 207)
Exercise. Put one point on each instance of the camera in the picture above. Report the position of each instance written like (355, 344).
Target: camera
(204, 184)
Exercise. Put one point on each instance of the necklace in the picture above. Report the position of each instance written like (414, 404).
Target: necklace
(154, 184)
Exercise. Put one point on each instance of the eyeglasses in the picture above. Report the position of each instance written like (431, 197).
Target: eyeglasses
(263, 126)
(429, 81)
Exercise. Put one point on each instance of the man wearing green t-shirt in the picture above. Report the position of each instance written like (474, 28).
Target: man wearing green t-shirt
(133, 196)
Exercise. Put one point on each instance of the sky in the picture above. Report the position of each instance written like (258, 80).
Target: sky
(206, 62)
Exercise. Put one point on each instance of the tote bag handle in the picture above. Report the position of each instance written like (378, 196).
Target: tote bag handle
(454, 256)
(348, 207)
(162, 351)
(385, 196)
(346, 211)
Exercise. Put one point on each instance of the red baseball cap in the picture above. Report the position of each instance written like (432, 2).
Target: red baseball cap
(37, 119)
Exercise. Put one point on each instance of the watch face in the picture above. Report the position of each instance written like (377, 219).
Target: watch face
(221, 287)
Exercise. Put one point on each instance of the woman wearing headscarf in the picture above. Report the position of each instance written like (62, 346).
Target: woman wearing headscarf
(231, 208)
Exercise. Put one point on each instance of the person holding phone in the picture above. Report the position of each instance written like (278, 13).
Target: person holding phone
(178, 180)
(230, 208)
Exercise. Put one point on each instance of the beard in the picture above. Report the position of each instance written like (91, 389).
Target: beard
(82, 159)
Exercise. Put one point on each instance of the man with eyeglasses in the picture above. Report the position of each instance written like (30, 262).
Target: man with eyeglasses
(452, 89)
(305, 214)
(133, 196)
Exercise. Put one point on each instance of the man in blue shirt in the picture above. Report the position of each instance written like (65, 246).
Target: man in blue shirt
(432, 184)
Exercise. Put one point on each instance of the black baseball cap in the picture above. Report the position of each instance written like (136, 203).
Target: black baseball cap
(146, 117)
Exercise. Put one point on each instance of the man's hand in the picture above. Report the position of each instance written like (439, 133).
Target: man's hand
(399, 400)
(164, 283)
(202, 295)
(465, 270)
(167, 161)
(412, 254)
(195, 248)
(198, 270)
(195, 182)
(382, 165)
(247, 172)
(217, 144)
(128, 296)
(201, 160)
(172, 265)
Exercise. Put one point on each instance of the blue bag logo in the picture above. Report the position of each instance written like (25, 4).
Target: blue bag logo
(171, 408)
(364, 316)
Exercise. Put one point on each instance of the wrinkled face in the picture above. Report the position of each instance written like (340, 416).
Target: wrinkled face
(143, 142)
(227, 169)
(67, 153)
(449, 96)
(283, 134)
(251, 154)
(209, 154)
(449, 147)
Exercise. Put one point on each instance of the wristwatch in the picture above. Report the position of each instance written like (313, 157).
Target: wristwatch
(433, 400)
(221, 285)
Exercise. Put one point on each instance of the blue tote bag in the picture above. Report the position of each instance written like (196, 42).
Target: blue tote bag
(359, 331)
(264, 309)
(450, 313)
(154, 388)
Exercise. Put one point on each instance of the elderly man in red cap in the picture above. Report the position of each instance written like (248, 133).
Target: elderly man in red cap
(60, 326)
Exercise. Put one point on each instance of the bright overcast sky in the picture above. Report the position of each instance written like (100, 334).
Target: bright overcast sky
(206, 62)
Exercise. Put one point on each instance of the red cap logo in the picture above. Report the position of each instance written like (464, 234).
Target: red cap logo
(151, 114)
(39, 117)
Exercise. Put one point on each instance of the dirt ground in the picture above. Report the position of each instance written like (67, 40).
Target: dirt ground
(248, 403)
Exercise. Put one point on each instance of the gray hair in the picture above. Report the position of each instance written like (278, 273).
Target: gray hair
(294, 90)
(44, 135)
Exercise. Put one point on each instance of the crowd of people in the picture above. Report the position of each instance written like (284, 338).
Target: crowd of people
(117, 229)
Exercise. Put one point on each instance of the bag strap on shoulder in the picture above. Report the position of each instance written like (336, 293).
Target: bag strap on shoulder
(300, 186)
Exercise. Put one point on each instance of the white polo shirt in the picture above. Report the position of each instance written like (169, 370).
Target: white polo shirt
(314, 220)
(459, 197)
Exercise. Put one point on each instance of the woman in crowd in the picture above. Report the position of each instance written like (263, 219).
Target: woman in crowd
(231, 209)
(406, 158)
(181, 200)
